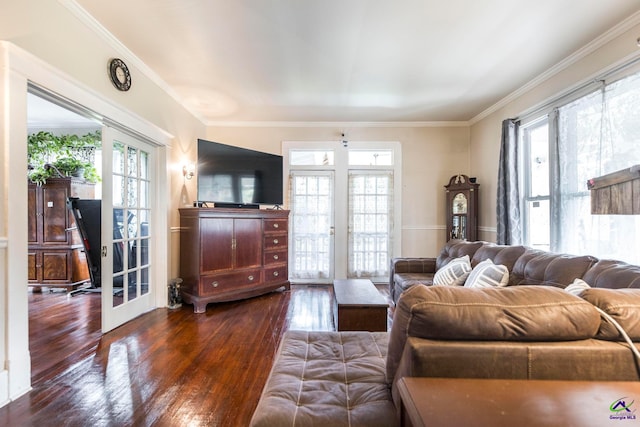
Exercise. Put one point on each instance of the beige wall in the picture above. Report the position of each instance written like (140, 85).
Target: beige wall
(55, 49)
(52, 33)
(430, 156)
(485, 133)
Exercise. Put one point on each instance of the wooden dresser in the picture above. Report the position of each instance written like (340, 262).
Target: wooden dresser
(56, 255)
(231, 254)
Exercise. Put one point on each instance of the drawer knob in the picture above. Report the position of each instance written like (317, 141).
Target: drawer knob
(275, 241)
(214, 284)
(250, 278)
(276, 225)
(276, 257)
(275, 273)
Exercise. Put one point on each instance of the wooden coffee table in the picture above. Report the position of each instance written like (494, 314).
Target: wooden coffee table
(440, 402)
(359, 306)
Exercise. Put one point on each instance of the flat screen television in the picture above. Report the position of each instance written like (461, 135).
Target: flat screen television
(231, 176)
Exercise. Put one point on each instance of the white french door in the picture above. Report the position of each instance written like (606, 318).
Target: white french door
(312, 226)
(371, 218)
(127, 240)
(344, 202)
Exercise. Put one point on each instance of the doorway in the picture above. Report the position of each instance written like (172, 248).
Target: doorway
(22, 73)
(344, 199)
(57, 264)
(59, 257)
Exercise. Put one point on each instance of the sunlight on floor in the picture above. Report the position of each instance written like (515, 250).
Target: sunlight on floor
(310, 309)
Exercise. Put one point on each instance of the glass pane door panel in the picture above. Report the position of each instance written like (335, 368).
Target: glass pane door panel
(127, 224)
(312, 225)
(131, 218)
(370, 223)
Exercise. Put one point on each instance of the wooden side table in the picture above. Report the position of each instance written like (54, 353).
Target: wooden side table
(440, 402)
(359, 306)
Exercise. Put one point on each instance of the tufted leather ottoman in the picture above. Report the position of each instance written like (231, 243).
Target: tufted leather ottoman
(328, 379)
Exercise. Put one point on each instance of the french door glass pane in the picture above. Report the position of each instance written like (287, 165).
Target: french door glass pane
(370, 223)
(312, 220)
(131, 188)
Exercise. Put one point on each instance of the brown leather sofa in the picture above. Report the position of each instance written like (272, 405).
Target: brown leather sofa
(530, 329)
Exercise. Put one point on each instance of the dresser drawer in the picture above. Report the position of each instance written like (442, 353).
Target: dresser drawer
(275, 274)
(275, 225)
(279, 256)
(275, 241)
(218, 283)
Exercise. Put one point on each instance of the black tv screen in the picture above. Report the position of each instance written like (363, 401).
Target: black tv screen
(236, 176)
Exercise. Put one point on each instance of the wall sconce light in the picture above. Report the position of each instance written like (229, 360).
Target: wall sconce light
(188, 170)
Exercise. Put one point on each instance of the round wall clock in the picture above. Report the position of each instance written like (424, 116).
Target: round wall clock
(119, 73)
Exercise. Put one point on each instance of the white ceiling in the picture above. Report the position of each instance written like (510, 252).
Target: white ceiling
(45, 115)
(351, 60)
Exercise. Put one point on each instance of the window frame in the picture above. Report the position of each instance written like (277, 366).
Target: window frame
(550, 113)
(526, 177)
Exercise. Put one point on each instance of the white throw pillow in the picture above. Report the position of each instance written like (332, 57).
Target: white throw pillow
(487, 274)
(454, 273)
(577, 287)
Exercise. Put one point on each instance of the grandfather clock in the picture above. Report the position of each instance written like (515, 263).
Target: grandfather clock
(462, 208)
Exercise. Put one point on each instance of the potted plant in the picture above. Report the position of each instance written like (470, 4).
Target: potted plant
(71, 166)
(62, 155)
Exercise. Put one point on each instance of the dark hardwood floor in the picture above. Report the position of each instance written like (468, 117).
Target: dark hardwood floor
(164, 368)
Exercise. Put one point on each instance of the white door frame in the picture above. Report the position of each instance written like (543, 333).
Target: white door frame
(18, 69)
(341, 220)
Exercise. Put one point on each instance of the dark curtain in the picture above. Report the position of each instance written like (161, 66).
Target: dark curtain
(509, 230)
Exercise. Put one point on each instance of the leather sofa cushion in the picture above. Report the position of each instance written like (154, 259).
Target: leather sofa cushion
(623, 305)
(500, 254)
(520, 313)
(414, 265)
(613, 274)
(524, 313)
(536, 267)
(456, 249)
(407, 280)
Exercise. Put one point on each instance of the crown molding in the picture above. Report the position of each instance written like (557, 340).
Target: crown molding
(278, 124)
(578, 55)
